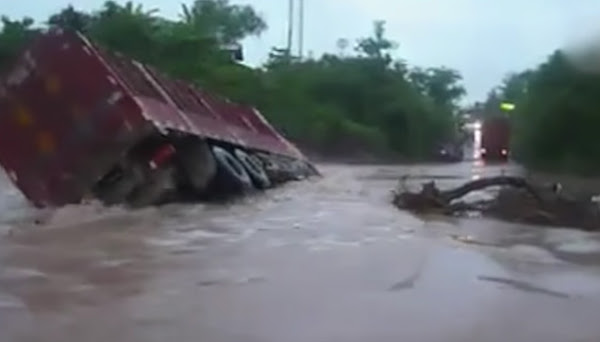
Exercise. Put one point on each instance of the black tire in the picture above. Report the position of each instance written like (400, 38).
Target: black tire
(312, 169)
(231, 172)
(151, 192)
(117, 191)
(273, 169)
(294, 170)
(254, 168)
(197, 165)
(300, 170)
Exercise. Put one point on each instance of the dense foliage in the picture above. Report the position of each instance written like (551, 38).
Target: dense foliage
(361, 103)
(557, 113)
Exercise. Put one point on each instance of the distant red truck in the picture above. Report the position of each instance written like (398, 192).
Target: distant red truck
(78, 122)
(495, 138)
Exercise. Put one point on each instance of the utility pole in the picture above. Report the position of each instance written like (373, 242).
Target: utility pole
(290, 26)
(301, 30)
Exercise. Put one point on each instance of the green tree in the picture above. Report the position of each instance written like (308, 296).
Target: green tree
(13, 37)
(128, 28)
(71, 19)
(556, 115)
(514, 86)
(377, 46)
(363, 103)
(218, 19)
(442, 85)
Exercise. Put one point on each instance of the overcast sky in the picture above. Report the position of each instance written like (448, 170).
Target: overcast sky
(483, 39)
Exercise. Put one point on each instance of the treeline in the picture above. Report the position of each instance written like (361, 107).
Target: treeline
(557, 116)
(360, 103)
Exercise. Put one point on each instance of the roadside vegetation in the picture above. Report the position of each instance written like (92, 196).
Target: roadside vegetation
(353, 104)
(557, 112)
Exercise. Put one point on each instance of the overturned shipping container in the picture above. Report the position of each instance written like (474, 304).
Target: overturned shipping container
(78, 122)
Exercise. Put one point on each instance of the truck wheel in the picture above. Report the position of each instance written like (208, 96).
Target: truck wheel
(197, 165)
(254, 168)
(293, 170)
(302, 169)
(311, 169)
(156, 185)
(273, 169)
(233, 175)
(117, 191)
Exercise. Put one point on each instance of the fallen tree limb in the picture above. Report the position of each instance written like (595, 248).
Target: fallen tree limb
(518, 200)
(431, 197)
(480, 184)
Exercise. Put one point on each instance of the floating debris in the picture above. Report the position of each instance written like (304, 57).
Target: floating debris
(518, 200)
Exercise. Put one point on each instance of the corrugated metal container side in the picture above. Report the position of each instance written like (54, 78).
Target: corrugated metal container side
(64, 120)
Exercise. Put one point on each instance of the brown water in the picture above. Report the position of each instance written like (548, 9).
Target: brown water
(324, 260)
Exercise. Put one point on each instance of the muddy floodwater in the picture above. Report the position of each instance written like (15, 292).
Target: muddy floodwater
(324, 260)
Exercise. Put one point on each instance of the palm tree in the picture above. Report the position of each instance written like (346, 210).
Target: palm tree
(127, 28)
(72, 19)
(14, 34)
(221, 21)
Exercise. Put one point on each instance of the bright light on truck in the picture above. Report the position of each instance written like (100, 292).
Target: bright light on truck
(507, 106)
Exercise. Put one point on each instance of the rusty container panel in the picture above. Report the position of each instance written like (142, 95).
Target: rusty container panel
(212, 116)
(180, 106)
(64, 120)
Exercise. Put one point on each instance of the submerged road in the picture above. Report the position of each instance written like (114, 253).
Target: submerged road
(325, 260)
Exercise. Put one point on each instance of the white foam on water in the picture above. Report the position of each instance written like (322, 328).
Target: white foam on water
(15, 209)
(12, 273)
(574, 241)
(10, 302)
(95, 214)
(78, 214)
(580, 247)
(166, 242)
(200, 234)
(532, 254)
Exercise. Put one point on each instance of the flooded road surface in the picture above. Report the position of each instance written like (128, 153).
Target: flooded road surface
(321, 261)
